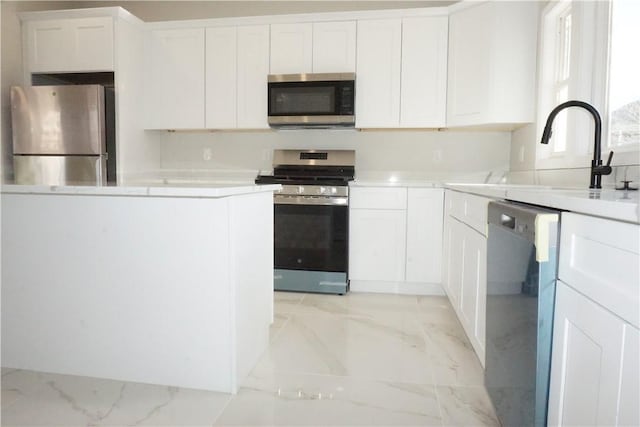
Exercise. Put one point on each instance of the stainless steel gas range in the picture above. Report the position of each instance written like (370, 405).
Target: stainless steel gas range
(311, 219)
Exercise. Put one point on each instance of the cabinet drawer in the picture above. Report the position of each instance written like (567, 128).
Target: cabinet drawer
(600, 259)
(475, 211)
(455, 204)
(468, 208)
(378, 198)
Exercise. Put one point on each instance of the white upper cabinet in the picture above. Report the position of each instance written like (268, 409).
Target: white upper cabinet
(69, 45)
(334, 47)
(222, 86)
(378, 73)
(253, 69)
(175, 79)
(321, 47)
(291, 48)
(401, 79)
(424, 72)
(492, 64)
(221, 78)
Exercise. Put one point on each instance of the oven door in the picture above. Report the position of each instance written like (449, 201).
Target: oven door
(310, 244)
(311, 237)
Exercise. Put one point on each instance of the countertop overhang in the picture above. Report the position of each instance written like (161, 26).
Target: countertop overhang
(190, 190)
(606, 203)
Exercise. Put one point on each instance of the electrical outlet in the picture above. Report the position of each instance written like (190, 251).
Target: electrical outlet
(206, 154)
(437, 155)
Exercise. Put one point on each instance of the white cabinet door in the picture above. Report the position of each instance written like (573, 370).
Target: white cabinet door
(334, 47)
(221, 77)
(70, 45)
(253, 69)
(378, 73)
(424, 72)
(594, 371)
(49, 45)
(424, 235)
(93, 41)
(455, 261)
(469, 64)
(628, 409)
(175, 79)
(377, 245)
(473, 298)
(291, 48)
(492, 63)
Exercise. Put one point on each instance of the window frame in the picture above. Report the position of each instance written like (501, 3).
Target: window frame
(590, 54)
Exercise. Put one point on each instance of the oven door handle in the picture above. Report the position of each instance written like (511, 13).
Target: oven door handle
(280, 199)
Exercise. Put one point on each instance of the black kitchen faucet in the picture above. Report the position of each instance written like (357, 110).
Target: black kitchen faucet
(597, 168)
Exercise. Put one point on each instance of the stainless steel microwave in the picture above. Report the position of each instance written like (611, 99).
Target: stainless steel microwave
(319, 100)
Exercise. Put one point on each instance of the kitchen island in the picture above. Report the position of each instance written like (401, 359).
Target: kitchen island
(153, 284)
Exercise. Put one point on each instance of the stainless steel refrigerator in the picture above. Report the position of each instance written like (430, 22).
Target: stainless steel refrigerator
(60, 135)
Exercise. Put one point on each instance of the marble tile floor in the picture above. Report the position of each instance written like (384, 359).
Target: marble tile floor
(358, 359)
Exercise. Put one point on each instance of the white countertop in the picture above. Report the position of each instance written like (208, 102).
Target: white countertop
(395, 183)
(147, 189)
(606, 203)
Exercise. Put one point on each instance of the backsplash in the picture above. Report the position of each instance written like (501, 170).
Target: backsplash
(577, 177)
(434, 155)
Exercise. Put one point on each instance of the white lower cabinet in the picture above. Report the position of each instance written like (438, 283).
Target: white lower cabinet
(466, 280)
(473, 300)
(594, 375)
(377, 244)
(465, 266)
(454, 257)
(395, 240)
(424, 235)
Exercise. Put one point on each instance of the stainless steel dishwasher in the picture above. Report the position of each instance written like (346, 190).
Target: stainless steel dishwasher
(522, 259)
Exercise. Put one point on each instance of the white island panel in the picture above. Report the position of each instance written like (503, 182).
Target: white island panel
(146, 289)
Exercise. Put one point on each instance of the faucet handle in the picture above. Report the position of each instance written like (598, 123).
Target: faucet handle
(610, 158)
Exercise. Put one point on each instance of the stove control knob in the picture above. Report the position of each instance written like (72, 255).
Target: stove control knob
(300, 189)
(323, 190)
(334, 190)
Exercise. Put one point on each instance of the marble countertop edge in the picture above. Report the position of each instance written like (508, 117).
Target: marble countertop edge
(188, 190)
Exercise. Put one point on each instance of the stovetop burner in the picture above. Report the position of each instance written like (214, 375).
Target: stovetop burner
(311, 167)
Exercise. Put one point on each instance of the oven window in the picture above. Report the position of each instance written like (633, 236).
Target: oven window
(302, 100)
(309, 237)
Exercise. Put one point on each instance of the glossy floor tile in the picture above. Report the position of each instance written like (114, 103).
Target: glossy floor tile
(357, 359)
(303, 399)
(41, 399)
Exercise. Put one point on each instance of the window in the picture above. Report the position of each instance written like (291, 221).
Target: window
(624, 76)
(562, 68)
(589, 52)
(555, 73)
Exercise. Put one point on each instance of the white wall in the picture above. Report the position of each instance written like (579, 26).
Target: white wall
(417, 154)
